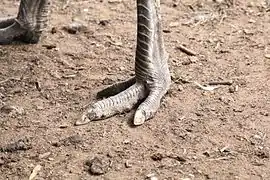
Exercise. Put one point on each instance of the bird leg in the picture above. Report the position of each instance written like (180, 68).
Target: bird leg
(29, 23)
(152, 77)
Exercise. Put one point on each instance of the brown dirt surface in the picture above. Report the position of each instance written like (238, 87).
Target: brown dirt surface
(221, 134)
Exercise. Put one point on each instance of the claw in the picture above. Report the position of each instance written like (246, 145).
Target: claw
(140, 117)
(86, 118)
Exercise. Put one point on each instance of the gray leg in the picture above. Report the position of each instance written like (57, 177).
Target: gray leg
(29, 23)
(152, 79)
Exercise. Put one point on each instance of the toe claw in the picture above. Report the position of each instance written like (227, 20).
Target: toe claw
(86, 118)
(139, 118)
(82, 121)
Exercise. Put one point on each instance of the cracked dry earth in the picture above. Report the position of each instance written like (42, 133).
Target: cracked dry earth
(221, 134)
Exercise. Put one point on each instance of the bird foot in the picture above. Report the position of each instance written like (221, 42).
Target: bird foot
(11, 30)
(28, 25)
(124, 97)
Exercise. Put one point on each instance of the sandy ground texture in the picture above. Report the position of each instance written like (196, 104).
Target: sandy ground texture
(219, 130)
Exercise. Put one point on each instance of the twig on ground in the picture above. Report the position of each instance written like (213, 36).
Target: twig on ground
(221, 158)
(10, 79)
(35, 172)
(186, 50)
(206, 88)
(228, 83)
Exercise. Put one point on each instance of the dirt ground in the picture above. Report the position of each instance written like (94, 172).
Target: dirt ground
(220, 134)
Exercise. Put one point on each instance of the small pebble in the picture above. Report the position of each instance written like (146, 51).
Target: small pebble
(50, 159)
(180, 88)
(75, 27)
(127, 164)
(44, 155)
(151, 176)
(267, 56)
(53, 30)
(233, 89)
(121, 68)
(2, 162)
(103, 22)
(98, 165)
(12, 110)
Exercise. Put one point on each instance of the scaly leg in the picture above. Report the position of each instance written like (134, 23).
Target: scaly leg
(29, 23)
(152, 78)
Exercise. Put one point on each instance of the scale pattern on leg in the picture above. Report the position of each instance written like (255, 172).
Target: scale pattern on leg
(31, 20)
(151, 70)
(119, 103)
(33, 16)
(151, 59)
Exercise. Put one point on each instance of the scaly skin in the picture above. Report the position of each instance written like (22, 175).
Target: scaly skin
(29, 23)
(152, 77)
(151, 70)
